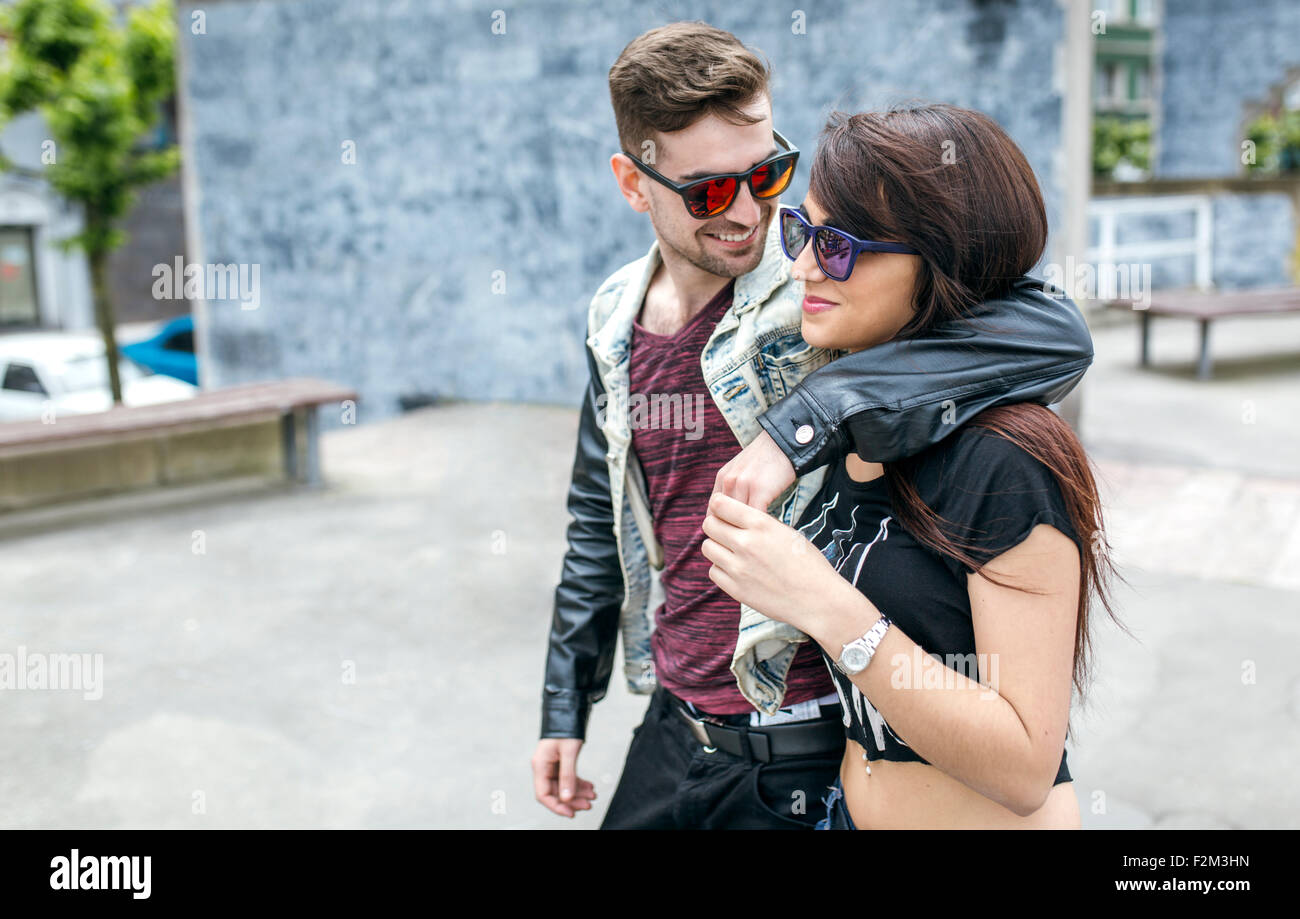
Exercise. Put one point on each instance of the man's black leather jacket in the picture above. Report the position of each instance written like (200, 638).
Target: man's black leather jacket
(885, 403)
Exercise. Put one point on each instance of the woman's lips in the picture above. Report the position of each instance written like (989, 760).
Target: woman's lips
(817, 305)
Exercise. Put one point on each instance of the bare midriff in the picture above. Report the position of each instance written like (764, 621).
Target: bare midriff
(920, 796)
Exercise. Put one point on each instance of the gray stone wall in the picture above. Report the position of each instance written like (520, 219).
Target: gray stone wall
(1217, 58)
(1254, 240)
(479, 153)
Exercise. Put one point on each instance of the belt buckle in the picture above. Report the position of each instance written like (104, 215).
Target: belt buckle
(698, 729)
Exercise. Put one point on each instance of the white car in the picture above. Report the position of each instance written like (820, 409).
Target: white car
(67, 372)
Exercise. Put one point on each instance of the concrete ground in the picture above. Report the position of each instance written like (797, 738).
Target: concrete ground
(370, 654)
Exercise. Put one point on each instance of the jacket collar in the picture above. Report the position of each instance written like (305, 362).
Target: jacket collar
(611, 341)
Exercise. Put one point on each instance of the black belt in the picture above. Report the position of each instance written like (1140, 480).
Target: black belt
(769, 742)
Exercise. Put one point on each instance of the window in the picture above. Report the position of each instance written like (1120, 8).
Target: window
(17, 277)
(181, 341)
(1138, 12)
(22, 378)
(1141, 77)
(1107, 81)
(1291, 97)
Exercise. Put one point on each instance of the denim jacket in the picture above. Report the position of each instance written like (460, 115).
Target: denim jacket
(886, 402)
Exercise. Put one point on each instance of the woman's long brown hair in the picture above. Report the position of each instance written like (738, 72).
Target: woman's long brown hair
(950, 182)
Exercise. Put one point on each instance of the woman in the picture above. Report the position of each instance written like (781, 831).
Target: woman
(951, 589)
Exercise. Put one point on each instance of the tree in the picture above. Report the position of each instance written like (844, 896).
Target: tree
(99, 83)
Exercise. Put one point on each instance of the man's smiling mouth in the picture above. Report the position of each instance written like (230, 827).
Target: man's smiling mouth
(736, 238)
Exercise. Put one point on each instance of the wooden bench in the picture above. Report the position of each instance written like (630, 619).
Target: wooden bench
(1205, 308)
(293, 403)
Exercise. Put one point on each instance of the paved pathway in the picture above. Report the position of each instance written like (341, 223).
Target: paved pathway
(371, 654)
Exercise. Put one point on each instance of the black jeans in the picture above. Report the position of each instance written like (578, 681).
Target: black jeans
(670, 782)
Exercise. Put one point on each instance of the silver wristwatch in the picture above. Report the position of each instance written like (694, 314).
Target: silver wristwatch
(858, 653)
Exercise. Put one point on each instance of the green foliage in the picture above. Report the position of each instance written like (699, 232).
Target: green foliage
(1116, 139)
(98, 83)
(1277, 142)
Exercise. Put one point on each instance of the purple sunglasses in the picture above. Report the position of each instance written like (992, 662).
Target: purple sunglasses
(836, 251)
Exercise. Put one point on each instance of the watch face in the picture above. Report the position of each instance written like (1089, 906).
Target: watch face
(855, 658)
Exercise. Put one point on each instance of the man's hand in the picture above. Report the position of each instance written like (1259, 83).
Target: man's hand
(555, 776)
(757, 474)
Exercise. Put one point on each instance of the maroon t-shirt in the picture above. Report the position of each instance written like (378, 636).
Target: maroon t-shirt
(682, 441)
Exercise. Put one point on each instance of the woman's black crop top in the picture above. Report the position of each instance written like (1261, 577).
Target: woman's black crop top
(992, 494)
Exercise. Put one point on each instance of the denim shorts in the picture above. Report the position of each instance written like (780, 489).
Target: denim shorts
(837, 814)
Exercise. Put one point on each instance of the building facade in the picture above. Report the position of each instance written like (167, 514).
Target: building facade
(426, 187)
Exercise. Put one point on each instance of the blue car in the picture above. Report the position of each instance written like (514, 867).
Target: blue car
(170, 351)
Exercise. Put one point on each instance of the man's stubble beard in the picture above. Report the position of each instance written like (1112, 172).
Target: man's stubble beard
(723, 268)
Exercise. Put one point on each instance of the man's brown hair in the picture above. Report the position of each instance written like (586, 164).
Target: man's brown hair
(670, 77)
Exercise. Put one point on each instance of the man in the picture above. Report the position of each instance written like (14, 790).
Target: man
(694, 350)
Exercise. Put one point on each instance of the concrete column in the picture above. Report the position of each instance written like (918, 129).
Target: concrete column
(1075, 160)
(191, 198)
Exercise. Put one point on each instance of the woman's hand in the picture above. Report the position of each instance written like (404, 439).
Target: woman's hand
(762, 562)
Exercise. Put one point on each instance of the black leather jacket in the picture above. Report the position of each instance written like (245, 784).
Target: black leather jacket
(886, 403)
